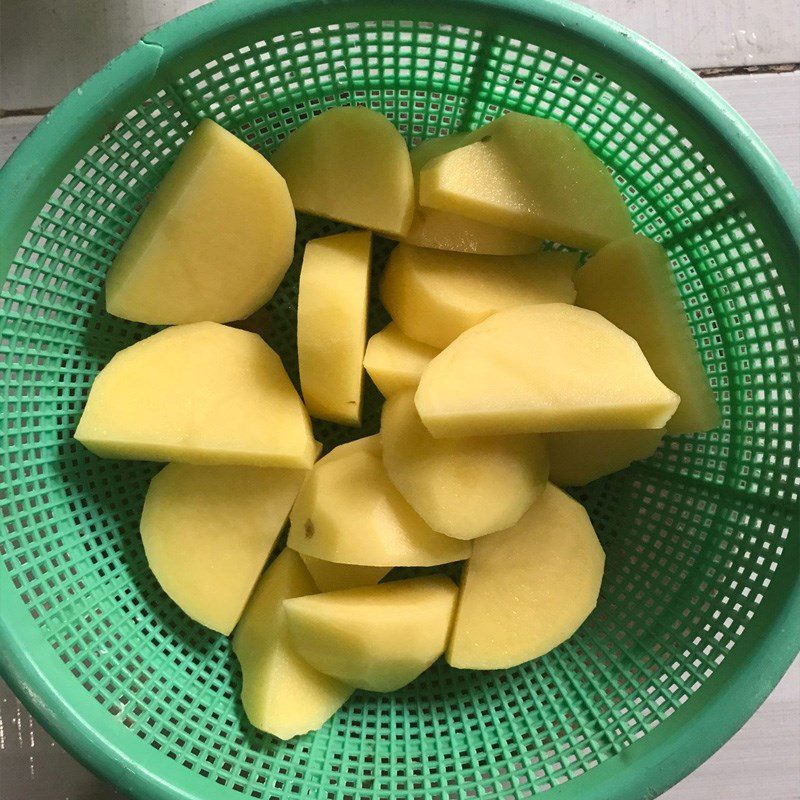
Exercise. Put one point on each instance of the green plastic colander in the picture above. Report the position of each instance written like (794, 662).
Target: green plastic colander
(700, 610)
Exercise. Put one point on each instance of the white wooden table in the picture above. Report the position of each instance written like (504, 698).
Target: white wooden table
(748, 50)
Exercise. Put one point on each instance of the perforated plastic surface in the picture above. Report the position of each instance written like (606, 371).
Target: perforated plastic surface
(701, 539)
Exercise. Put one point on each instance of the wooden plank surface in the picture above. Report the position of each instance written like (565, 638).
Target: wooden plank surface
(48, 46)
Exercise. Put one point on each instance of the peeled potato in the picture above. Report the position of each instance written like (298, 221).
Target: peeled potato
(394, 361)
(579, 457)
(464, 487)
(207, 532)
(446, 231)
(434, 296)
(213, 243)
(531, 175)
(332, 325)
(330, 577)
(202, 394)
(352, 165)
(630, 282)
(377, 638)
(527, 589)
(539, 369)
(281, 693)
(349, 512)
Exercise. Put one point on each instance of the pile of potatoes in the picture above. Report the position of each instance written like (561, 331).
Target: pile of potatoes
(508, 371)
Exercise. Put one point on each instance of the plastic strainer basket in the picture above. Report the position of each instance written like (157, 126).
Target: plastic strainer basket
(699, 610)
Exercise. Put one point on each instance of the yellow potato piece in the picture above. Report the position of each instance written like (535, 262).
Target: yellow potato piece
(630, 282)
(394, 361)
(352, 165)
(579, 457)
(463, 487)
(527, 589)
(531, 175)
(445, 231)
(332, 325)
(214, 242)
(434, 296)
(377, 638)
(330, 577)
(202, 394)
(539, 369)
(207, 532)
(281, 693)
(349, 512)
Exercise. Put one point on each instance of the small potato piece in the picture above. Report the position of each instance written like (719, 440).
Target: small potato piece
(434, 296)
(281, 693)
(445, 231)
(213, 243)
(332, 325)
(579, 457)
(531, 175)
(630, 283)
(377, 638)
(539, 369)
(352, 165)
(527, 589)
(394, 361)
(331, 577)
(464, 487)
(207, 532)
(200, 394)
(349, 512)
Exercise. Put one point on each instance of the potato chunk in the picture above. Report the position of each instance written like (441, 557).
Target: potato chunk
(281, 693)
(531, 175)
(445, 231)
(540, 369)
(394, 361)
(214, 242)
(207, 532)
(630, 283)
(463, 487)
(435, 296)
(332, 325)
(200, 394)
(349, 512)
(527, 589)
(330, 576)
(352, 165)
(375, 637)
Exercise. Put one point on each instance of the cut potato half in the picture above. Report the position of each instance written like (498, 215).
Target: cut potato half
(213, 243)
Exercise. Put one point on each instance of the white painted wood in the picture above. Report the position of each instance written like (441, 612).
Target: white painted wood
(713, 33)
(12, 131)
(770, 102)
(71, 40)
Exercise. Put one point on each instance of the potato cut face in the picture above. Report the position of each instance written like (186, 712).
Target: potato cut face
(281, 693)
(214, 242)
(208, 530)
(630, 282)
(351, 165)
(445, 231)
(531, 175)
(540, 369)
(349, 512)
(332, 325)
(434, 296)
(527, 589)
(377, 638)
(331, 577)
(579, 457)
(394, 361)
(462, 487)
(201, 394)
